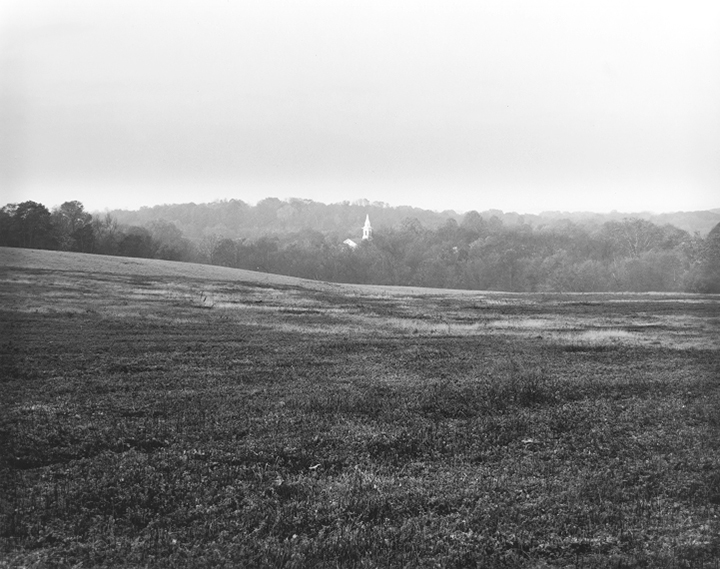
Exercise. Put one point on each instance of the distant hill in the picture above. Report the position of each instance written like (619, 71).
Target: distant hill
(236, 219)
(691, 221)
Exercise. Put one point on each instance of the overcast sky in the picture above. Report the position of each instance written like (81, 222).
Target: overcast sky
(517, 105)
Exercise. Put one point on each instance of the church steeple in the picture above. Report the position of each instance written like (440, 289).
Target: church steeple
(367, 229)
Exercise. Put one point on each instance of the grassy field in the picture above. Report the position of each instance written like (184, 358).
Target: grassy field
(157, 414)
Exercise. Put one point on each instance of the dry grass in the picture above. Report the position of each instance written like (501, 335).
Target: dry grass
(157, 414)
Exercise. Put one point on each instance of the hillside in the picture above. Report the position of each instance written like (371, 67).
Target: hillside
(691, 221)
(63, 261)
(173, 415)
(236, 219)
(84, 263)
(493, 250)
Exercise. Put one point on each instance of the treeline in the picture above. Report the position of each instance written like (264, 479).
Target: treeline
(473, 252)
(236, 219)
(70, 228)
(627, 255)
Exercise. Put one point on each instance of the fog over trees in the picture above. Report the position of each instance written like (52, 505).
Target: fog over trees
(483, 251)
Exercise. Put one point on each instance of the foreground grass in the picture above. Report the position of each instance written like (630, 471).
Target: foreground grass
(151, 419)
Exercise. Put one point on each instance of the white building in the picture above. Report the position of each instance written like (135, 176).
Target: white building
(367, 229)
(366, 234)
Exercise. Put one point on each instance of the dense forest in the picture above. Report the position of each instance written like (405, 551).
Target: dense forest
(488, 251)
(237, 220)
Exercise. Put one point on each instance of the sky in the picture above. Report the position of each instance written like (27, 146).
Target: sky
(523, 106)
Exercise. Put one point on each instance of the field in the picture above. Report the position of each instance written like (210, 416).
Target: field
(158, 414)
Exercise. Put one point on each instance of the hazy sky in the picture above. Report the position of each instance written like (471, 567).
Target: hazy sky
(517, 105)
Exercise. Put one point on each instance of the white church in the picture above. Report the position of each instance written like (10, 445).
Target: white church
(366, 235)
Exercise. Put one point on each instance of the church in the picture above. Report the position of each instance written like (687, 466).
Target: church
(366, 234)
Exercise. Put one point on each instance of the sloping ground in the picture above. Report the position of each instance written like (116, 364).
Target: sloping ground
(158, 414)
(34, 259)
(130, 266)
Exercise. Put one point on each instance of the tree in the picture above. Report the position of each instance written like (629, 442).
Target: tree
(33, 226)
(473, 225)
(83, 239)
(137, 242)
(225, 253)
(169, 241)
(107, 235)
(632, 237)
(262, 254)
(9, 236)
(412, 226)
(710, 264)
(73, 226)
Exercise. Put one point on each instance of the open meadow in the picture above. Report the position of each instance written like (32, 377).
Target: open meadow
(159, 414)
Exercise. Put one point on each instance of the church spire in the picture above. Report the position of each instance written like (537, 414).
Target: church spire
(367, 229)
